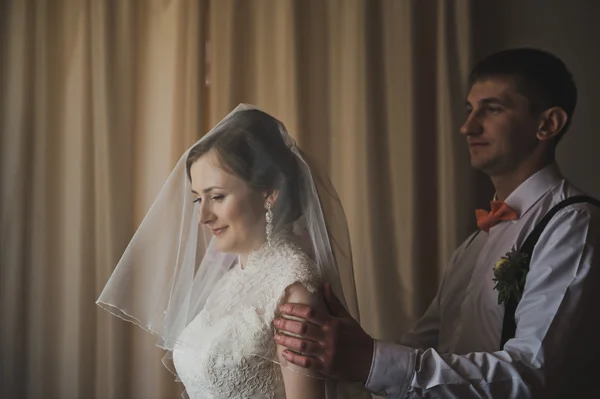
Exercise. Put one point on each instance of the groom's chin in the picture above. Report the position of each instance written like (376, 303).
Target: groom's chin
(482, 165)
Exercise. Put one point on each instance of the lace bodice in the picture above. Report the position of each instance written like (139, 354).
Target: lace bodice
(216, 353)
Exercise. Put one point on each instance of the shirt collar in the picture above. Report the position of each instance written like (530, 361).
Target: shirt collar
(533, 189)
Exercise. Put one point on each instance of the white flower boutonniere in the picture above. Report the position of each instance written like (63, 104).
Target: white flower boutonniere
(510, 273)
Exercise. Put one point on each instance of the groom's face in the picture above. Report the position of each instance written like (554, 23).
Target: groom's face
(500, 127)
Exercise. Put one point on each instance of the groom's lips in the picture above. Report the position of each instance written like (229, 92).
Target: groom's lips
(477, 143)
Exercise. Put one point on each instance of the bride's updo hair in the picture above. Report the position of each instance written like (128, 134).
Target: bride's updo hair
(250, 146)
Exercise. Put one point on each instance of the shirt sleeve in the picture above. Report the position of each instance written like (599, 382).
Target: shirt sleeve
(425, 333)
(561, 286)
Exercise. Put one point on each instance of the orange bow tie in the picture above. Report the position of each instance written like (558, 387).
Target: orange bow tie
(500, 211)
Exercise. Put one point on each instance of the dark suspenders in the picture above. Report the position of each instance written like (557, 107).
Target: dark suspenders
(509, 324)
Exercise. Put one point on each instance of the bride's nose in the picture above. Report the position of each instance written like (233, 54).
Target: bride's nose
(205, 215)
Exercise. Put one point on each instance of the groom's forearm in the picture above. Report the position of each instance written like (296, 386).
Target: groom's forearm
(399, 372)
(392, 369)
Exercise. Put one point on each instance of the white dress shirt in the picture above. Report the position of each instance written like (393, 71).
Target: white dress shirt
(453, 351)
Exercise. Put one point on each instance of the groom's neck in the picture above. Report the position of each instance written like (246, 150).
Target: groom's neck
(507, 182)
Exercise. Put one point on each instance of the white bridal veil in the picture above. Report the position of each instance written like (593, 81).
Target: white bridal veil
(170, 267)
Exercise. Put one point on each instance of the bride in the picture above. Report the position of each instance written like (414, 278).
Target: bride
(243, 224)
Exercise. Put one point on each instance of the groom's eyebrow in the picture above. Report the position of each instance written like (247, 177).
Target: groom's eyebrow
(492, 100)
(489, 100)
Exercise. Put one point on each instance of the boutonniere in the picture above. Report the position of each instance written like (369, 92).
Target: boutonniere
(509, 275)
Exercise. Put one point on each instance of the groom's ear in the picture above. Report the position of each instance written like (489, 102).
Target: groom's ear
(552, 122)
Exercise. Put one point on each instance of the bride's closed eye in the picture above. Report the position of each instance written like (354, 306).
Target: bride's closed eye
(217, 198)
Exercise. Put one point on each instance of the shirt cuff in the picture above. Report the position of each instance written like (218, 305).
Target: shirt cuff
(392, 369)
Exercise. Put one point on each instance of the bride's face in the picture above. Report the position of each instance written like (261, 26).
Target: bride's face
(228, 206)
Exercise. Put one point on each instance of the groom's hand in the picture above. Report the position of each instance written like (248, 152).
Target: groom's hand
(332, 344)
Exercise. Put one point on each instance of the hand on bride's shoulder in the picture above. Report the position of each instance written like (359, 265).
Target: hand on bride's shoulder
(301, 382)
(299, 293)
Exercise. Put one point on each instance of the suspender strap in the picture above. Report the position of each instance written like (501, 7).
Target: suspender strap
(509, 325)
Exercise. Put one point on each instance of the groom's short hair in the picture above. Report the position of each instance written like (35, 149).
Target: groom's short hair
(540, 76)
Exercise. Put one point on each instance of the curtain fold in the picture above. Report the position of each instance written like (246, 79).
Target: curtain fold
(374, 90)
(98, 100)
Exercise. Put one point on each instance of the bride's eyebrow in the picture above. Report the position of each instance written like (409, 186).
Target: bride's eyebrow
(208, 189)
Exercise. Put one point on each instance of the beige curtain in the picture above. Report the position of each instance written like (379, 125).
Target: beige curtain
(98, 99)
(375, 91)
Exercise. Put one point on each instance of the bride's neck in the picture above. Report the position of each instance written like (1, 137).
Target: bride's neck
(243, 259)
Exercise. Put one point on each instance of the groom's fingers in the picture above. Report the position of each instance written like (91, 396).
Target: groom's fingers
(298, 344)
(303, 328)
(305, 312)
(308, 362)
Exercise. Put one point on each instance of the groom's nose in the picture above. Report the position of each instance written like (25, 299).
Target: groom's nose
(471, 126)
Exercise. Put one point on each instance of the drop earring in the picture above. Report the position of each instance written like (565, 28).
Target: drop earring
(269, 218)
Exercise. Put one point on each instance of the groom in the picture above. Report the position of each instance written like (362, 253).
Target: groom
(541, 340)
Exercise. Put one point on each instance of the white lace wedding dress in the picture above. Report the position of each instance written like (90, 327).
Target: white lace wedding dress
(215, 356)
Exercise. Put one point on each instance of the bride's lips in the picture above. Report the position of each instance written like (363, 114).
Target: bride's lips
(218, 231)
